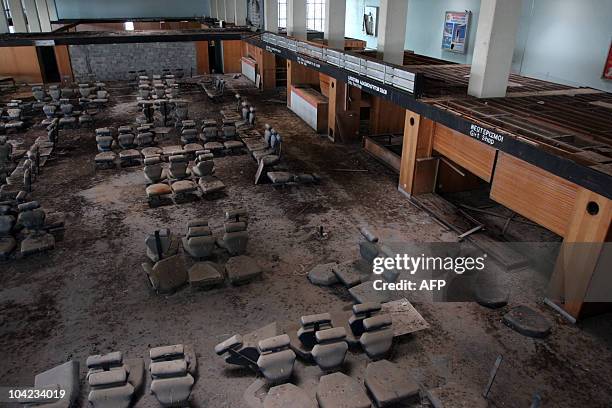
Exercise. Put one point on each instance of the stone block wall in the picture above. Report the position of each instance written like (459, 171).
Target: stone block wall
(111, 62)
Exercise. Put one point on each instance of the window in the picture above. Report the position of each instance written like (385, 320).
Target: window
(282, 13)
(129, 26)
(315, 15)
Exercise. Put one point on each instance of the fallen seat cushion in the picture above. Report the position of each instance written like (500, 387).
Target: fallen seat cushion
(105, 157)
(214, 146)
(203, 275)
(233, 144)
(183, 187)
(280, 177)
(210, 184)
(129, 154)
(157, 190)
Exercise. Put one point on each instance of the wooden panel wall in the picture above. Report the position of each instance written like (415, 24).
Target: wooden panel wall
(534, 193)
(470, 154)
(386, 117)
(21, 63)
(232, 52)
(202, 61)
(64, 66)
(266, 64)
(324, 84)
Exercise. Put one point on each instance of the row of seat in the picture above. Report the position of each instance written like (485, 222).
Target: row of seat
(326, 345)
(11, 117)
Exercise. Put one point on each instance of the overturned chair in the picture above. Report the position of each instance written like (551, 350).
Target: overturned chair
(173, 370)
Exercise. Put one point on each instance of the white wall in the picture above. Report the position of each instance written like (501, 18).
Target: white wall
(354, 20)
(564, 41)
(426, 23)
(568, 42)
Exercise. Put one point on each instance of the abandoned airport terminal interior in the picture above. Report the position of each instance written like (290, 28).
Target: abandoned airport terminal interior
(306, 203)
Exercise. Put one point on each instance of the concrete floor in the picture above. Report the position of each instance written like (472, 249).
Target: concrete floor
(90, 294)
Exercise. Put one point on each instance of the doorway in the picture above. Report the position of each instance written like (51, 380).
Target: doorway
(215, 57)
(48, 64)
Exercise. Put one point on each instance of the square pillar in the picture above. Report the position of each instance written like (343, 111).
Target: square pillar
(392, 30)
(214, 13)
(335, 16)
(32, 16)
(43, 16)
(4, 26)
(52, 9)
(495, 41)
(230, 11)
(271, 15)
(296, 19)
(19, 19)
(241, 12)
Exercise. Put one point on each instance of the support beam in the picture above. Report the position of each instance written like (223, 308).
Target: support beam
(296, 19)
(19, 18)
(343, 112)
(241, 12)
(582, 272)
(392, 30)
(418, 169)
(495, 41)
(271, 15)
(43, 16)
(4, 26)
(335, 16)
(230, 11)
(32, 16)
(51, 7)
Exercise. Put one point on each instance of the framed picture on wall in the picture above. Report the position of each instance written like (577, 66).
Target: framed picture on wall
(456, 28)
(607, 74)
(370, 20)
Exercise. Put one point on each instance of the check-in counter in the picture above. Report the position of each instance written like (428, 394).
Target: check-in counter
(310, 105)
(249, 67)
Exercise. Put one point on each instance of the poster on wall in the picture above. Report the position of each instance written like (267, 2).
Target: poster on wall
(608, 69)
(456, 26)
(370, 21)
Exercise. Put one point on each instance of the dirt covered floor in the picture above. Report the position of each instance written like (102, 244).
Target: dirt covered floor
(90, 294)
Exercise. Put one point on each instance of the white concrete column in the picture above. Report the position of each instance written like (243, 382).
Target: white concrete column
(392, 30)
(4, 25)
(296, 19)
(271, 15)
(241, 12)
(213, 9)
(230, 11)
(335, 16)
(495, 41)
(32, 16)
(19, 19)
(52, 10)
(43, 16)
